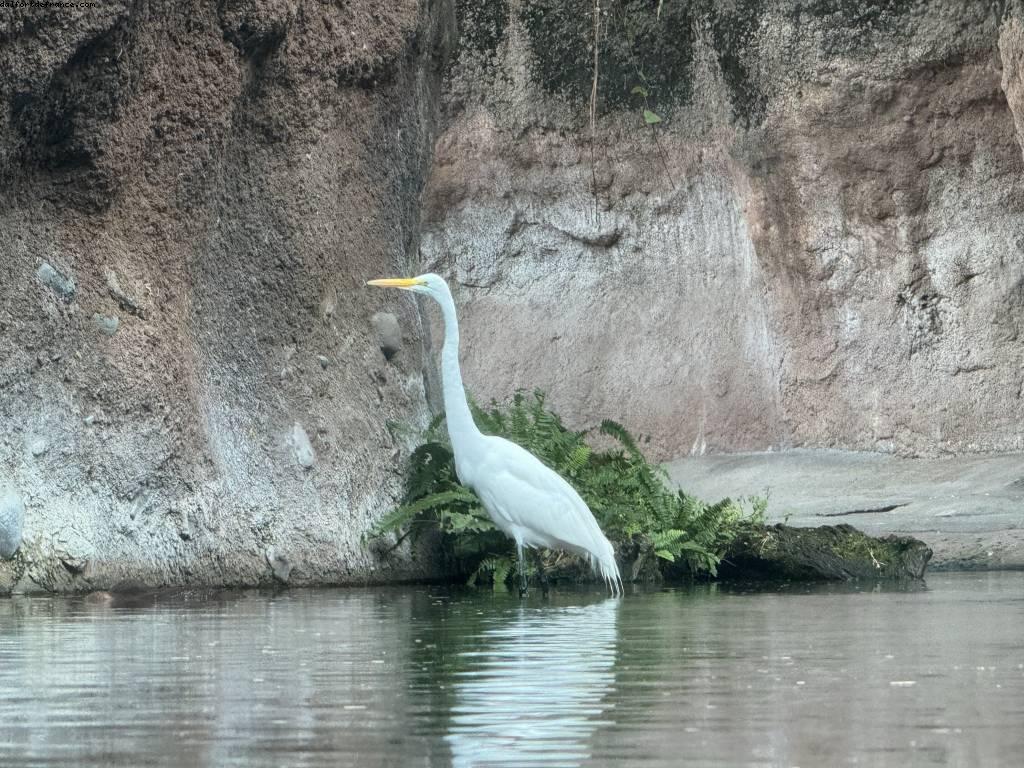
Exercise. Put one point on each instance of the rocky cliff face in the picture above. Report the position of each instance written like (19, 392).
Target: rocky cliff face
(193, 195)
(819, 244)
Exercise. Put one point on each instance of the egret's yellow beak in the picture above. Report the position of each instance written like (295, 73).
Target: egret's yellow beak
(396, 282)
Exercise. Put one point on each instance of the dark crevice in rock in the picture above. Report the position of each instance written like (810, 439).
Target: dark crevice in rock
(866, 511)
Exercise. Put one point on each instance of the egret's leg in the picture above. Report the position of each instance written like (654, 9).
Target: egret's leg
(523, 586)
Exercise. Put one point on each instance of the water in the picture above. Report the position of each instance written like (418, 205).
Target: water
(419, 676)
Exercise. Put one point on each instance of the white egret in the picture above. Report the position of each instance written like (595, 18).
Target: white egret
(529, 502)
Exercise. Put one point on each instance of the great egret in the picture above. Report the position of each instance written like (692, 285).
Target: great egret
(531, 503)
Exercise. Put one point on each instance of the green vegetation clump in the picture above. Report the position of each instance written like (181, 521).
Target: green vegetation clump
(649, 524)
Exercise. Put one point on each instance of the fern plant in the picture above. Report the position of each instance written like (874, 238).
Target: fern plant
(644, 519)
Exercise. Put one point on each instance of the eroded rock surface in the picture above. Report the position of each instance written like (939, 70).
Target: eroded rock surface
(193, 196)
(12, 520)
(821, 243)
(968, 509)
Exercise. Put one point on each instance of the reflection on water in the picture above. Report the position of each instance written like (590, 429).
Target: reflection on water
(534, 689)
(712, 676)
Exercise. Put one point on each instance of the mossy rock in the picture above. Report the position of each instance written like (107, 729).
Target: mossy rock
(829, 552)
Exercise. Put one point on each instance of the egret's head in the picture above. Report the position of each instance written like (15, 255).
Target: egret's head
(430, 284)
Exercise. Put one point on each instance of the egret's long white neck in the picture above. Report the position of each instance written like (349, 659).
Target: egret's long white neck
(461, 427)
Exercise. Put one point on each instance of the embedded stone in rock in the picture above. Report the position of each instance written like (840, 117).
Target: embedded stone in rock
(279, 564)
(50, 277)
(106, 324)
(12, 519)
(302, 447)
(389, 333)
(38, 447)
(128, 304)
(184, 526)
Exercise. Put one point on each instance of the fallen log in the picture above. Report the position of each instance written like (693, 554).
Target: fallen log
(831, 552)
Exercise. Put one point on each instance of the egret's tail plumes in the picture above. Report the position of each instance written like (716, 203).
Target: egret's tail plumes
(604, 565)
(609, 571)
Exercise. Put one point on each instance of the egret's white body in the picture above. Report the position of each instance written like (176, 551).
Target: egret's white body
(528, 501)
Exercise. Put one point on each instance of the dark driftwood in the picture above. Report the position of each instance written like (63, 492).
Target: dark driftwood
(772, 552)
(837, 552)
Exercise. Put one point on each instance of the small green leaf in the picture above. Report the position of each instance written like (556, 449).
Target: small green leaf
(640, 90)
(650, 118)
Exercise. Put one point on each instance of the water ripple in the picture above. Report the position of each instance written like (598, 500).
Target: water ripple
(431, 677)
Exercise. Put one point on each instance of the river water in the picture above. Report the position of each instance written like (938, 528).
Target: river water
(427, 676)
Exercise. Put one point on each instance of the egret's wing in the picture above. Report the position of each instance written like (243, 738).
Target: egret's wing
(538, 504)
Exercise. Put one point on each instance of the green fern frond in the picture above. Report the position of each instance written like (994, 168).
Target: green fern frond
(502, 570)
(577, 458)
(435, 501)
(484, 567)
(620, 433)
(497, 567)
(628, 495)
(475, 521)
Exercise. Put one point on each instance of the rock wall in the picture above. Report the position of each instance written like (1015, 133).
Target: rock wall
(814, 238)
(819, 244)
(193, 194)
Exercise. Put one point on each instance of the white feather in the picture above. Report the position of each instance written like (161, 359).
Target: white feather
(536, 506)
